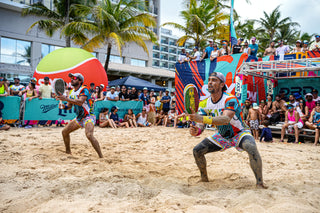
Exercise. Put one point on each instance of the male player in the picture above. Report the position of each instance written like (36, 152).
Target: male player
(223, 110)
(79, 98)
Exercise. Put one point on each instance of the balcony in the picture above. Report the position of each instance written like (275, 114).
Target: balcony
(172, 58)
(156, 47)
(164, 49)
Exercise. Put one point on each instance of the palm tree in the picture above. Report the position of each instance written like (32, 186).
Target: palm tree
(108, 24)
(287, 33)
(273, 22)
(203, 21)
(55, 19)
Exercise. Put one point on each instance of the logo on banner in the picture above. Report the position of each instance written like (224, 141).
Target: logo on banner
(47, 108)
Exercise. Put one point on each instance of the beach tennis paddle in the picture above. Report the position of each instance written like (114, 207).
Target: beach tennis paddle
(191, 98)
(59, 87)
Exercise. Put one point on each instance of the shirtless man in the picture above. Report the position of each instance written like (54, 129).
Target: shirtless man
(79, 98)
(270, 50)
(253, 119)
(223, 110)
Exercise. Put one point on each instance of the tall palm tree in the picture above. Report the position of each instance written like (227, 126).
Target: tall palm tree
(287, 33)
(55, 19)
(273, 22)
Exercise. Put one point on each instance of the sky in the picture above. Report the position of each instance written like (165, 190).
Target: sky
(305, 12)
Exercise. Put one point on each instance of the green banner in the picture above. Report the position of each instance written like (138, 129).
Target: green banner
(46, 109)
(123, 107)
(10, 107)
(301, 86)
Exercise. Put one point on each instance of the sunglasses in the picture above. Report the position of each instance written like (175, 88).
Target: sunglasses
(74, 78)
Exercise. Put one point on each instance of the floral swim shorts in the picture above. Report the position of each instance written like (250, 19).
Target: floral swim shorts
(88, 119)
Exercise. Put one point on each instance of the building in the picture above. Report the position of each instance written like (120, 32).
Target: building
(20, 52)
(166, 54)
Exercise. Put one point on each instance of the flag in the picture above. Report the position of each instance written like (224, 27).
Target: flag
(233, 36)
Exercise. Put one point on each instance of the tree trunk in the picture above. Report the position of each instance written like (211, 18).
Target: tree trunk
(106, 64)
(68, 39)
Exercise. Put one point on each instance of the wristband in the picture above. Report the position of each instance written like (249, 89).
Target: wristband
(207, 120)
(199, 131)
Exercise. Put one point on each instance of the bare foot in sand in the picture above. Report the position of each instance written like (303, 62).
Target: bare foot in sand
(261, 186)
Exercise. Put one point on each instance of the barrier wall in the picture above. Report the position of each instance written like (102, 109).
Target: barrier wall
(10, 108)
(123, 106)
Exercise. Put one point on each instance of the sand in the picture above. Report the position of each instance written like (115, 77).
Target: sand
(149, 170)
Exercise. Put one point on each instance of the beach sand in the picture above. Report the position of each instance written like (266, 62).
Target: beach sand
(149, 170)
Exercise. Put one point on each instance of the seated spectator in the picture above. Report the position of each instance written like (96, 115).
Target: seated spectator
(314, 119)
(3, 126)
(172, 117)
(245, 109)
(104, 119)
(115, 117)
(142, 119)
(215, 53)
(45, 89)
(4, 91)
(292, 122)
(263, 111)
(144, 97)
(16, 88)
(305, 47)
(161, 118)
(112, 96)
(165, 100)
(297, 96)
(278, 110)
(97, 95)
(297, 48)
(310, 103)
(123, 95)
(181, 120)
(253, 119)
(266, 135)
(315, 95)
(269, 105)
(271, 50)
(303, 110)
(292, 101)
(130, 117)
(283, 96)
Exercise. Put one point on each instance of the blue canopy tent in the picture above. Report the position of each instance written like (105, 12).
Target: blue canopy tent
(138, 83)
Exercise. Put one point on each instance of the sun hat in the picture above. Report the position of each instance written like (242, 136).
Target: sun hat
(255, 106)
(308, 94)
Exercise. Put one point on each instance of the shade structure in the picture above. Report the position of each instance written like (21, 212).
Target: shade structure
(138, 83)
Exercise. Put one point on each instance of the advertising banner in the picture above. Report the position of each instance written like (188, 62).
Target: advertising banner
(10, 108)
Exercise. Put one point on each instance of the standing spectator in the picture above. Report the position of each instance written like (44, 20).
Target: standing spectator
(246, 48)
(31, 92)
(4, 91)
(123, 95)
(117, 90)
(305, 47)
(129, 90)
(112, 96)
(16, 88)
(173, 100)
(97, 95)
(130, 118)
(315, 46)
(266, 134)
(144, 97)
(92, 89)
(298, 47)
(225, 50)
(182, 56)
(315, 95)
(292, 121)
(196, 54)
(253, 118)
(133, 96)
(115, 117)
(310, 103)
(253, 47)
(245, 109)
(237, 48)
(214, 53)
(208, 50)
(165, 100)
(104, 119)
(282, 50)
(45, 90)
(142, 119)
(270, 50)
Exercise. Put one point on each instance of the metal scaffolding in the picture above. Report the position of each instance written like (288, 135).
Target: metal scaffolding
(295, 68)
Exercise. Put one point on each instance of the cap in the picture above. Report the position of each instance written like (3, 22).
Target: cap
(255, 106)
(308, 94)
(46, 78)
(290, 106)
(317, 36)
(196, 47)
(33, 79)
(253, 38)
(112, 87)
(298, 41)
(152, 90)
(145, 88)
(16, 78)
(314, 91)
(221, 77)
(210, 40)
(305, 42)
(78, 75)
(129, 88)
(167, 90)
(297, 95)
(102, 85)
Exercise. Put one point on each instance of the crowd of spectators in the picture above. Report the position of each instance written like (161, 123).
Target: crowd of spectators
(293, 113)
(213, 51)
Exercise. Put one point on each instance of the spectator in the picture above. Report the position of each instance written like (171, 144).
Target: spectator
(139, 93)
(3, 126)
(129, 91)
(161, 118)
(263, 111)
(196, 54)
(225, 50)
(182, 120)
(115, 117)
(152, 108)
(172, 117)
(315, 95)
(297, 96)
(31, 92)
(104, 118)
(283, 96)
(292, 121)
(253, 119)
(292, 101)
(165, 100)
(133, 96)
(144, 97)
(253, 47)
(112, 96)
(117, 90)
(142, 119)
(245, 109)
(246, 48)
(173, 100)
(305, 47)
(182, 56)
(104, 92)
(237, 48)
(92, 88)
(123, 95)
(282, 50)
(45, 90)
(310, 103)
(303, 110)
(269, 105)
(208, 50)
(187, 59)
(266, 134)
(97, 95)
(278, 110)
(314, 119)
(4, 91)
(298, 47)
(270, 50)
(214, 53)
(130, 118)
(315, 46)
(16, 88)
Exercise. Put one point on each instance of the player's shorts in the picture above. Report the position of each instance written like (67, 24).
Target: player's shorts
(88, 119)
(254, 124)
(224, 143)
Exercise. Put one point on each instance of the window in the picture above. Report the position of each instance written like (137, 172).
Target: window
(15, 51)
(115, 59)
(155, 63)
(137, 62)
(94, 54)
(47, 48)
